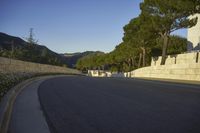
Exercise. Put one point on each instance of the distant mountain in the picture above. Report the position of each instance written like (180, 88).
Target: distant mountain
(6, 42)
(72, 58)
(17, 48)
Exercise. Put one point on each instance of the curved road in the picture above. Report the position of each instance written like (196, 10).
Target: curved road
(116, 105)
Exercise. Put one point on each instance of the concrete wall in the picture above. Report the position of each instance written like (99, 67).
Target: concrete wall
(182, 67)
(17, 66)
(187, 58)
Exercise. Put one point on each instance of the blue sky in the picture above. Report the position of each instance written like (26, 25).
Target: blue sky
(70, 25)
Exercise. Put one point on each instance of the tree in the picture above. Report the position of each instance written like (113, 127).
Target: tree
(31, 39)
(91, 61)
(177, 45)
(130, 35)
(146, 36)
(140, 33)
(168, 16)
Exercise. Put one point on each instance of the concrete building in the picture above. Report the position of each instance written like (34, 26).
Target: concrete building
(193, 35)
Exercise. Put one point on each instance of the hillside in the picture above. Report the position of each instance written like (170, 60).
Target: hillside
(6, 42)
(17, 48)
(72, 58)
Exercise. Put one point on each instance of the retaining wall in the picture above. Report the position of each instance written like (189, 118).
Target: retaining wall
(187, 58)
(182, 67)
(16, 66)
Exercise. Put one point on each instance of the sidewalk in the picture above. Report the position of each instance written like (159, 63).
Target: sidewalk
(27, 116)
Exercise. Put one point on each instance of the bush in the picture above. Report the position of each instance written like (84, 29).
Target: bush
(7, 81)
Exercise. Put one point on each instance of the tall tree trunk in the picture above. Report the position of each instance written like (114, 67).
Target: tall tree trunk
(129, 64)
(143, 56)
(133, 62)
(140, 59)
(164, 49)
(103, 67)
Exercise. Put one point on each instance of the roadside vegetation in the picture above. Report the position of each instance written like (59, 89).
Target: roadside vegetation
(148, 35)
(8, 80)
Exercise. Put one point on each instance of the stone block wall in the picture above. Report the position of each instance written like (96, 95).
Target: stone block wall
(187, 58)
(181, 67)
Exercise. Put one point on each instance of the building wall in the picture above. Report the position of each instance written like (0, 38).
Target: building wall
(99, 73)
(181, 67)
(193, 35)
(17, 66)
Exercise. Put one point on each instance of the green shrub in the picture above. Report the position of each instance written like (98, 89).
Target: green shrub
(9, 80)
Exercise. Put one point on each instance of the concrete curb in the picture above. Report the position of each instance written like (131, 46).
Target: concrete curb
(191, 82)
(7, 102)
(6, 105)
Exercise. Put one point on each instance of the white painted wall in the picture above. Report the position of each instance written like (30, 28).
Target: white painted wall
(193, 35)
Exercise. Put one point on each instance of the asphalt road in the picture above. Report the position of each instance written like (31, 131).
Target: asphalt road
(116, 105)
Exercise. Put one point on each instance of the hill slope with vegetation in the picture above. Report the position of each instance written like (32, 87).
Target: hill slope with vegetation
(17, 48)
(72, 58)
